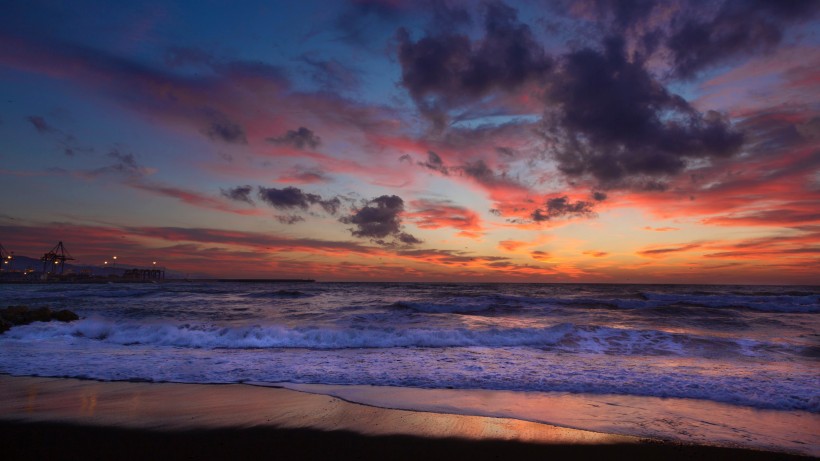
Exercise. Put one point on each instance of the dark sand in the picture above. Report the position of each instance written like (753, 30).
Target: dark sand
(48, 418)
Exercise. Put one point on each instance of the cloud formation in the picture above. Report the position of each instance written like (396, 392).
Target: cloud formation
(615, 122)
(446, 71)
(293, 197)
(380, 218)
(738, 28)
(559, 207)
(301, 138)
(66, 142)
(40, 124)
(239, 193)
(222, 129)
(435, 214)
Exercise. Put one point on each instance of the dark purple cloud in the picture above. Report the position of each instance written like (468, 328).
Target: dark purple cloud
(222, 129)
(435, 163)
(614, 121)
(483, 174)
(300, 138)
(444, 71)
(125, 166)
(239, 193)
(380, 218)
(40, 124)
(599, 196)
(695, 35)
(738, 28)
(293, 198)
(289, 219)
(559, 207)
(606, 116)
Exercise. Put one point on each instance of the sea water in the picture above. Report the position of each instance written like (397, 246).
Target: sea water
(752, 346)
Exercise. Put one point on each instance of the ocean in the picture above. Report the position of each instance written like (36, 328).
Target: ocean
(752, 346)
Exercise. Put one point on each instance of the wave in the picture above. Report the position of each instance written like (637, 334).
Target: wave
(451, 306)
(564, 337)
(790, 303)
(795, 302)
(278, 294)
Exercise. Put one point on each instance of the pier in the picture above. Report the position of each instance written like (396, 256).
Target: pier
(53, 266)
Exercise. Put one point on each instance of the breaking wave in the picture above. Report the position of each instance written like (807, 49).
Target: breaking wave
(564, 337)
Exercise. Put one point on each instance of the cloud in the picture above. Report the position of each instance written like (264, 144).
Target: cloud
(225, 130)
(664, 251)
(293, 197)
(540, 256)
(301, 138)
(435, 163)
(66, 142)
(445, 71)
(433, 214)
(125, 165)
(512, 245)
(380, 218)
(794, 214)
(360, 20)
(303, 175)
(486, 176)
(596, 254)
(289, 219)
(187, 196)
(695, 36)
(239, 193)
(558, 207)
(450, 257)
(615, 122)
(212, 105)
(794, 245)
(332, 74)
(660, 229)
(40, 124)
(737, 29)
(476, 169)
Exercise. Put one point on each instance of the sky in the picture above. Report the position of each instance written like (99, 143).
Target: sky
(417, 140)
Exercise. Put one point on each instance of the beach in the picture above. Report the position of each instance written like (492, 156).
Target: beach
(219, 367)
(58, 418)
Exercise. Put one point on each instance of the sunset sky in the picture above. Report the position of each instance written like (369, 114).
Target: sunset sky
(437, 140)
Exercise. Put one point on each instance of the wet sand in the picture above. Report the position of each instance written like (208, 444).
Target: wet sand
(52, 418)
(688, 421)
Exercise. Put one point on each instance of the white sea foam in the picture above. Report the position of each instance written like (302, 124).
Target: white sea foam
(564, 337)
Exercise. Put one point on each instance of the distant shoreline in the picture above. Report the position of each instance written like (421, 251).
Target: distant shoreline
(104, 281)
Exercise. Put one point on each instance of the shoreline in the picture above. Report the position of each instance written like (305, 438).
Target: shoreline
(217, 421)
(670, 419)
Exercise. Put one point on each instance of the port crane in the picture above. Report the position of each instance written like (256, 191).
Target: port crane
(5, 258)
(57, 256)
